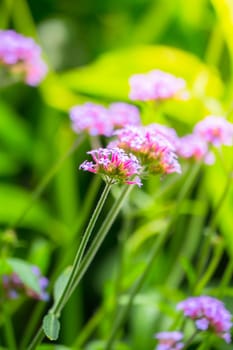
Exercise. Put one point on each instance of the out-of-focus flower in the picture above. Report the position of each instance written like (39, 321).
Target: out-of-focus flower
(166, 132)
(123, 114)
(21, 56)
(115, 165)
(156, 85)
(209, 314)
(215, 130)
(192, 146)
(169, 341)
(154, 151)
(13, 286)
(91, 118)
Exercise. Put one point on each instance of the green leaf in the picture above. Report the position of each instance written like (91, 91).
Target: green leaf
(108, 76)
(14, 133)
(54, 347)
(100, 345)
(25, 273)
(61, 283)
(51, 326)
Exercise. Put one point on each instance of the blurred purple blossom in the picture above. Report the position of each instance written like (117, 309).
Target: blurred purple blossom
(155, 152)
(22, 56)
(209, 314)
(156, 85)
(215, 130)
(169, 341)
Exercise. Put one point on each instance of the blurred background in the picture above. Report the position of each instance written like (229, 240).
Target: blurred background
(92, 48)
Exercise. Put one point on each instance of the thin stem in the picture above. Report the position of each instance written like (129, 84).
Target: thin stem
(8, 329)
(189, 341)
(211, 268)
(46, 179)
(101, 234)
(205, 251)
(80, 252)
(225, 278)
(88, 329)
(64, 258)
(156, 248)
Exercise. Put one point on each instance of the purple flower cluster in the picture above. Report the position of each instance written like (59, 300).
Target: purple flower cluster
(13, 286)
(21, 56)
(211, 131)
(98, 120)
(154, 151)
(209, 314)
(156, 85)
(169, 341)
(215, 130)
(114, 165)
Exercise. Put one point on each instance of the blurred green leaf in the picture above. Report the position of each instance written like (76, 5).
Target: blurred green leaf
(14, 133)
(61, 283)
(14, 200)
(108, 76)
(25, 273)
(54, 347)
(51, 326)
(100, 345)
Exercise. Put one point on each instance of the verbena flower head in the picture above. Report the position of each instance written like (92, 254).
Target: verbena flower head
(154, 151)
(13, 286)
(169, 341)
(209, 314)
(21, 56)
(91, 118)
(215, 130)
(156, 85)
(193, 147)
(123, 114)
(115, 165)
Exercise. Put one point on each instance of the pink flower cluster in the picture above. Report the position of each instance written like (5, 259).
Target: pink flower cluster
(114, 165)
(22, 56)
(98, 120)
(209, 314)
(156, 85)
(169, 341)
(13, 286)
(215, 130)
(211, 131)
(154, 151)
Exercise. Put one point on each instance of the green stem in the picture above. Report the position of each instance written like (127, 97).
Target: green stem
(8, 329)
(64, 258)
(211, 268)
(189, 341)
(101, 234)
(155, 250)
(87, 259)
(88, 329)
(46, 179)
(80, 252)
(205, 251)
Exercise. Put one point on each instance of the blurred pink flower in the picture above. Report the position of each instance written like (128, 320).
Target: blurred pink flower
(156, 85)
(209, 314)
(215, 130)
(154, 151)
(192, 146)
(169, 341)
(22, 56)
(123, 114)
(92, 118)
